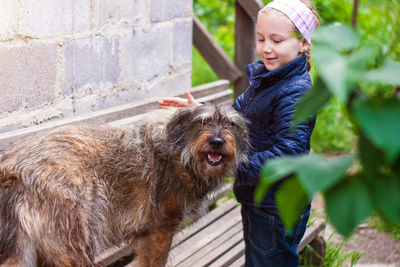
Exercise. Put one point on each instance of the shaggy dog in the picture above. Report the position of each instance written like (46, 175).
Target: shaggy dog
(69, 194)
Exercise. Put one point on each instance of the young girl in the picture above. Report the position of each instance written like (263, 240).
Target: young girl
(277, 81)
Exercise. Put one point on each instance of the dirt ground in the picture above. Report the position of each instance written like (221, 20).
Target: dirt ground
(378, 248)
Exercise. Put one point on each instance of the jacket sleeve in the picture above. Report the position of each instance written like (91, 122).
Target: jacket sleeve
(285, 140)
(237, 105)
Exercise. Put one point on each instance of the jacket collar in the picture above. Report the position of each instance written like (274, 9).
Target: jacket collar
(257, 71)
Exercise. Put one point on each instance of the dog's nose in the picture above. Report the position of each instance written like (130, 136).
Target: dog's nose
(216, 143)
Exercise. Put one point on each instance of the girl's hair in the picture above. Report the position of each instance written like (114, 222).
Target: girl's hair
(312, 8)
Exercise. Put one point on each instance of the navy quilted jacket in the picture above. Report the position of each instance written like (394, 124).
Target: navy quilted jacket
(268, 104)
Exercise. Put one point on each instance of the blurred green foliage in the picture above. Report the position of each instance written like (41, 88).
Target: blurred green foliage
(332, 131)
(201, 71)
(378, 24)
(219, 19)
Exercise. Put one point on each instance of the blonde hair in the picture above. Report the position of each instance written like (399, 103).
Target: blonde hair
(312, 8)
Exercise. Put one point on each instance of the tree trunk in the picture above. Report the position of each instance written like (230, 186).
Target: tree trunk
(355, 13)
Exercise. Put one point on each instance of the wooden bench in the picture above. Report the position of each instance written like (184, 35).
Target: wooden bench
(216, 238)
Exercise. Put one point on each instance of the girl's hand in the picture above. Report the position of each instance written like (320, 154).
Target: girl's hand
(178, 102)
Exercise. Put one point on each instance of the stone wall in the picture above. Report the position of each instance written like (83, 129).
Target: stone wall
(62, 58)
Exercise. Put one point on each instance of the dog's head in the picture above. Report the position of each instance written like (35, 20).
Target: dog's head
(211, 140)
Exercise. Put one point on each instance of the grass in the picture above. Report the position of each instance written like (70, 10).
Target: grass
(335, 256)
(383, 226)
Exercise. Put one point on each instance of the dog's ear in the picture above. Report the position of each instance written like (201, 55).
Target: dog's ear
(175, 130)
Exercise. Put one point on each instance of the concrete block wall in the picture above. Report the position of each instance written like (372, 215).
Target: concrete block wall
(62, 58)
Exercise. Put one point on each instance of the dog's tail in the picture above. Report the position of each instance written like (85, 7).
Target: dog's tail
(7, 230)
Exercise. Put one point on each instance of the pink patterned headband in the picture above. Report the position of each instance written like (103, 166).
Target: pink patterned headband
(298, 13)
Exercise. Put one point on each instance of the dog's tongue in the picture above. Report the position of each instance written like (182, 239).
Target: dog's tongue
(214, 157)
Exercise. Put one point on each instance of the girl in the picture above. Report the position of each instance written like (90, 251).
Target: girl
(277, 81)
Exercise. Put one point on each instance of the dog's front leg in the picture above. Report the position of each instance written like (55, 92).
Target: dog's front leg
(152, 250)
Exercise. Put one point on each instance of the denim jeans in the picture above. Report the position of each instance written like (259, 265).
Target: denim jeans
(266, 241)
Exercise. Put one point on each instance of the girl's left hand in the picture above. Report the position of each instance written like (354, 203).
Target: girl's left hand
(178, 102)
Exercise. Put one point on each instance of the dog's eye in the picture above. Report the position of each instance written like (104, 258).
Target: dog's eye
(204, 122)
(231, 123)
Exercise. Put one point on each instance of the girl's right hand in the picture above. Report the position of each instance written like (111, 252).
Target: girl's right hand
(178, 102)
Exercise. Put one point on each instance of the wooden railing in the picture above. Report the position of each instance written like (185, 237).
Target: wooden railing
(245, 49)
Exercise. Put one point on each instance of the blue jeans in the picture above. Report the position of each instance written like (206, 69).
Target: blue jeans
(266, 241)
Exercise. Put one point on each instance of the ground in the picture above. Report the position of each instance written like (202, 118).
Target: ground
(378, 248)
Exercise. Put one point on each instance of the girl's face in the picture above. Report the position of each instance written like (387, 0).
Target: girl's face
(277, 44)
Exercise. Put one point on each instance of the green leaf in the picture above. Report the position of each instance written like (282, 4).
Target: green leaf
(348, 203)
(387, 197)
(357, 63)
(291, 201)
(273, 170)
(312, 101)
(316, 173)
(389, 73)
(379, 119)
(333, 69)
(341, 72)
(338, 36)
(371, 157)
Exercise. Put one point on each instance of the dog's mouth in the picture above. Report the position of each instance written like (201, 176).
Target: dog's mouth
(214, 159)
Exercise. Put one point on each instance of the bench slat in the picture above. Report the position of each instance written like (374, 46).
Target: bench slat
(231, 256)
(238, 263)
(208, 234)
(213, 98)
(114, 254)
(208, 88)
(212, 251)
(220, 193)
(203, 222)
(311, 232)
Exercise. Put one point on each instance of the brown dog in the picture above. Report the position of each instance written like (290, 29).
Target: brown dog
(69, 194)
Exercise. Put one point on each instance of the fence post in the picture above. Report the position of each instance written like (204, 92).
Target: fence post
(245, 40)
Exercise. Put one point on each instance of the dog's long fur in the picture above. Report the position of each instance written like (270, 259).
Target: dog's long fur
(69, 194)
